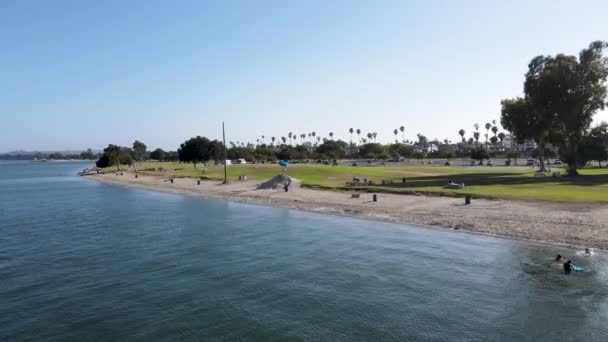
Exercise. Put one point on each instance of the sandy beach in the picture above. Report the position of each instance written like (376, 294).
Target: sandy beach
(572, 224)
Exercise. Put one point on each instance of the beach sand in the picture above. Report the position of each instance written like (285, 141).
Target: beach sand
(574, 224)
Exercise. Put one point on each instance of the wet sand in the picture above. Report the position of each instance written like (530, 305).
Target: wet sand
(575, 224)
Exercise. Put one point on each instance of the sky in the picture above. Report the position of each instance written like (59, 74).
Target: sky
(79, 74)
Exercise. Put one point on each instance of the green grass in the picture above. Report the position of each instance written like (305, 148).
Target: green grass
(490, 182)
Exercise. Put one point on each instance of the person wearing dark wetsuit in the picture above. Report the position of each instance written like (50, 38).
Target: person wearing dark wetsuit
(568, 266)
(558, 258)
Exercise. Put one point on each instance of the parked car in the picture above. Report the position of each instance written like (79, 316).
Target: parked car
(557, 162)
(531, 162)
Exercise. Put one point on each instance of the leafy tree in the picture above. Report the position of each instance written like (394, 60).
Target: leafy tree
(332, 149)
(479, 154)
(564, 92)
(399, 150)
(373, 151)
(194, 150)
(520, 117)
(217, 153)
(158, 154)
(592, 148)
(88, 155)
(139, 150)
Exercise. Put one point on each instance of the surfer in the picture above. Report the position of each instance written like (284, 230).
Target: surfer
(568, 267)
(558, 257)
(587, 251)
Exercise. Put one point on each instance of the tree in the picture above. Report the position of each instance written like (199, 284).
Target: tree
(273, 139)
(284, 140)
(195, 150)
(564, 93)
(395, 132)
(88, 155)
(350, 130)
(514, 155)
(359, 134)
(158, 154)
(494, 140)
(502, 137)
(494, 130)
(115, 155)
(488, 126)
(476, 137)
(397, 150)
(139, 150)
(290, 135)
(462, 132)
(592, 148)
(331, 135)
(372, 150)
(479, 154)
(520, 117)
(332, 149)
(402, 129)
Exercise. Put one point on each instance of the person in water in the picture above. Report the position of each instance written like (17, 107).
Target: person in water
(587, 251)
(558, 257)
(568, 266)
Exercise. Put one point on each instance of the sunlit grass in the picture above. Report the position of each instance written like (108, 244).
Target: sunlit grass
(492, 182)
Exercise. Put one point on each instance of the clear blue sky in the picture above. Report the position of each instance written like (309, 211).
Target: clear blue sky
(77, 74)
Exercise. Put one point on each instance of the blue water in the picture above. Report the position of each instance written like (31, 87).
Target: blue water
(85, 261)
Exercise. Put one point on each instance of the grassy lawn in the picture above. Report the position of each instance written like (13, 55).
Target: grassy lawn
(492, 182)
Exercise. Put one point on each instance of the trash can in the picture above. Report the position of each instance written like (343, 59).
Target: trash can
(198, 182)
(375, 197)
(467, 200)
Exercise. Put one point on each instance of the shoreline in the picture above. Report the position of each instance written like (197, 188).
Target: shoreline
(563, 224)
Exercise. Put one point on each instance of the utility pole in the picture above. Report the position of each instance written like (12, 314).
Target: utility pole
(225, 155)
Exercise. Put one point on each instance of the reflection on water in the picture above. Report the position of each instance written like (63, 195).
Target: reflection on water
(87, 261)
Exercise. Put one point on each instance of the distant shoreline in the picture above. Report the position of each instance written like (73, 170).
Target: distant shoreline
(571, 224)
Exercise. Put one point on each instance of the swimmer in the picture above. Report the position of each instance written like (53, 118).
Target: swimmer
(558, 257)
(587, 251)
(568, 267)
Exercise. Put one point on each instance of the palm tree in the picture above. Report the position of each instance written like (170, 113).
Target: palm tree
(263, 141)
(494, 130)
(462, 132)
(476, 136)
(395, 132)
(488, 126)
(402, 129)
(331, 135)
(284, 140)
(290, 135)
(258, 141)
(273, 139)
(364, 141)
(369, 136)
(318, 139)
(314, 134)
(350, 130)
(502, 137)
(375, 134)
(359, 134)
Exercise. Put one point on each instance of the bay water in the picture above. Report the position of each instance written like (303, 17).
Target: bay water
(86, 261)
